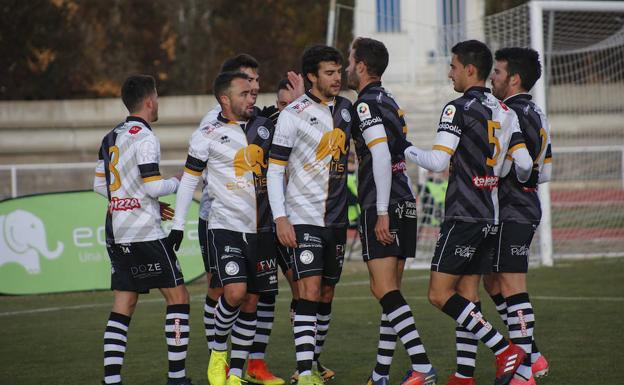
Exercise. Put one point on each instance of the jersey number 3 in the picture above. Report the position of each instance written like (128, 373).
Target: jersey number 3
(492, 139)
(113, 153)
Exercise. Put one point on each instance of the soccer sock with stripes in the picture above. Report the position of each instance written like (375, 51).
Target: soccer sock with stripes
(501, 306)
(402, 321)
(177, 334)
(115, 339)
(521, 320)
(304, 328)
(266, 315)
(466, 344)
(293, 310)
(467, 315)
(242, 338)
(323, 318)
(209, 320)
(385, 349)
(535, 353)
(225, 315)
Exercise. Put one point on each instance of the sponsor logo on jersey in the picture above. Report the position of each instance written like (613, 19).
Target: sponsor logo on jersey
(452, 128)
(250, 158)
(370, 122)
(407, 210)
(465, 251)
(520, 250)
(231, 268)
(311, 238)
(302, 105)
(135, 129)
(306, 257)
(266, 265)
(345, 115)
(398, 167)
(487, 181)
(123, 204)
(224, 139)
(503, 105)
(230, 249)
(313, 121)
(263, 132)
(143, 270)
(332, 143)
(363, 111)
(448, 114)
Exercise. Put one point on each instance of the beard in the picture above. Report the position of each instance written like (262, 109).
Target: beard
(353, 81)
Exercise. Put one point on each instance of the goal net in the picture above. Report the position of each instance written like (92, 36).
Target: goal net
(582, 51)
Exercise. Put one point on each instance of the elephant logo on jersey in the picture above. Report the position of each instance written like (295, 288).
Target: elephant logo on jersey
(250, 158)
(332, 143)
(23, 240)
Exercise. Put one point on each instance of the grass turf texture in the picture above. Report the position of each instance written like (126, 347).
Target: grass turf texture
(579, 308)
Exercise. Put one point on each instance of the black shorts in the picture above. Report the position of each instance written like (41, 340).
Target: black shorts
(403, 225)
(141, 266)
(202, 229)
(319, 251)
(464, 248)
(284, 258)
(511, 247)
(243, 257)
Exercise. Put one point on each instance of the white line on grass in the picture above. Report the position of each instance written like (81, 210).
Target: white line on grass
(283, 299)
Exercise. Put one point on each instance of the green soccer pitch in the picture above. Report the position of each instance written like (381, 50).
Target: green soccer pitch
(57, 339)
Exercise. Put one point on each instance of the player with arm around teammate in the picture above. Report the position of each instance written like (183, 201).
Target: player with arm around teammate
(475, 133)
(128, 174)
(388, 221)
(515, 72)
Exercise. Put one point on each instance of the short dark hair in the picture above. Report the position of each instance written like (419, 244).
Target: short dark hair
(314, 55)
(372, 53)
(476, 53)
(135, 89)
(223, 81)
(284, 84)
(522, 61)
(239, 61)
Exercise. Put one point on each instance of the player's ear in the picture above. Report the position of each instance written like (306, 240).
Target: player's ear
(312, 77)
(360, 67)
(515, 80)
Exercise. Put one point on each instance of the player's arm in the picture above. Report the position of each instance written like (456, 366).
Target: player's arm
(147, 158)
(546, 170)
(447, 139)
(283, 142)
(523, 163)
(99, 180)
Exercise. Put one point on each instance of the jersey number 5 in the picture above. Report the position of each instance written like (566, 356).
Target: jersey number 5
(492, 139)
(544, 138)
(113, 153)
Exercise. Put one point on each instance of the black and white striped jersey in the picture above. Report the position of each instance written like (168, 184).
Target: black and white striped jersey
(483, 131)
(376, 107)
(517, 203)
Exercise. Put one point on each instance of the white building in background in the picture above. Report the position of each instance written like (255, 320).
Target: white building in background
(409, 28)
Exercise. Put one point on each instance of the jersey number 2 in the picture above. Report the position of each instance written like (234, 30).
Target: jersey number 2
(113, 153)
(492, 139)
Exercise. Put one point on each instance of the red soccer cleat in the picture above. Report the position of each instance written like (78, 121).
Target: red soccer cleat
(461, 381)
(507, 363)
(540, 367)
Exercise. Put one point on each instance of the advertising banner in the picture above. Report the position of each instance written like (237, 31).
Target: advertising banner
(55, 242)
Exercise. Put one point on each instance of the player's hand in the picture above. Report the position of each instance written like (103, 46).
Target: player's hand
(175, 238)
(531, 183)
(297, 85)
(166, 211)
(285, 232)
(400, 145)
(382, 230)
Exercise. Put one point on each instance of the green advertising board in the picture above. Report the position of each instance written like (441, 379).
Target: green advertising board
(54, 243)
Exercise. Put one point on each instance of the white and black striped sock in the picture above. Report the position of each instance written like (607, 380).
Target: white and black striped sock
(225, 315)
(115, 340)
(466, 345)
(323, 318)
(304, 328)
(385, 349)
(501, 306)
(242, 338)
(209, 320)
(402, 321)
(465, 314)
(266, 315)
(521, 320)
(177, 333)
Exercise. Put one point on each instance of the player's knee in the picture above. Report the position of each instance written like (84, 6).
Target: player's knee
(437, 298)
(235, 296)
(310, 293)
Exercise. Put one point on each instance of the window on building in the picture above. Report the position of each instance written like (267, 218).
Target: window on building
(388, 15)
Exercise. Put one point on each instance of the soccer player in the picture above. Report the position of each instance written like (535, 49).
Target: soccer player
(127, 174)
(233, 148)
(311, 144)
(515, 72)
(388, 222)
(475, 133)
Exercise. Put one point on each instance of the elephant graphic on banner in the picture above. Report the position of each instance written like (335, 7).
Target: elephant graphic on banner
(23, 240)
